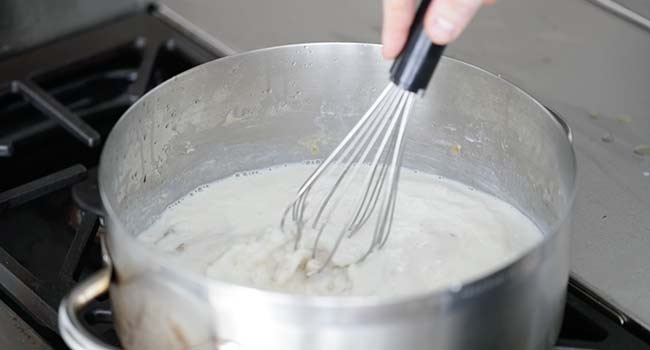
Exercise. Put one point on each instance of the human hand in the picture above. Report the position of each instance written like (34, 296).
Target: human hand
(443, 22)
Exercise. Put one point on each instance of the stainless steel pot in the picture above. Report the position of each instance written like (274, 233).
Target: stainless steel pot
(292, 103)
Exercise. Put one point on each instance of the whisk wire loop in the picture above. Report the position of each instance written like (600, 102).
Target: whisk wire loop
(375, 145)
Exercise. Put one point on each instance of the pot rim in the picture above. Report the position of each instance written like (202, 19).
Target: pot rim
(532, 257)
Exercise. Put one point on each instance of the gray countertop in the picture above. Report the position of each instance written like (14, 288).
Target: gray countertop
(587, 64)
(16, 334)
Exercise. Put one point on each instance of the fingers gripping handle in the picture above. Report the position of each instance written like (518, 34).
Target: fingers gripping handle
(413, 68)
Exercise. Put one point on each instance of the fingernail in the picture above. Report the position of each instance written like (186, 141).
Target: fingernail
(442, 30)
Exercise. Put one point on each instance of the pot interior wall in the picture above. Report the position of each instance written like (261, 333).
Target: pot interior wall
(295, 103)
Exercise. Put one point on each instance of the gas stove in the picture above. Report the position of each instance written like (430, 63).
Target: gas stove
(58, 102)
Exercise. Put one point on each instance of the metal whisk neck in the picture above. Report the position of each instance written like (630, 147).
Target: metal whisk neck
(372, 152)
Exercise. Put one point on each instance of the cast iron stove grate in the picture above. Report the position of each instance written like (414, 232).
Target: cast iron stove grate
(58, 103)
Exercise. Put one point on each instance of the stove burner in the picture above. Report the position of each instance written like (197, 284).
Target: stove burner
(86, 194)
(41, 249)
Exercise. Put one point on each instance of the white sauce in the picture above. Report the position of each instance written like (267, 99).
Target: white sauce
(444, 234)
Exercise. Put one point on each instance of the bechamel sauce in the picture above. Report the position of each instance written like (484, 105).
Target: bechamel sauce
(444, 234)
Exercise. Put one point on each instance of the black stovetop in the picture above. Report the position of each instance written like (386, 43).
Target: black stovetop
(57, 104)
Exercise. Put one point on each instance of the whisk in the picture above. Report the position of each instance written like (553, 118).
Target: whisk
(373, 148)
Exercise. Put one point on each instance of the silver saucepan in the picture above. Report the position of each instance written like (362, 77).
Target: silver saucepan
(292, 103)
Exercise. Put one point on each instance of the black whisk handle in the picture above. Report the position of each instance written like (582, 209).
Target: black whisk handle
(413, 68)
